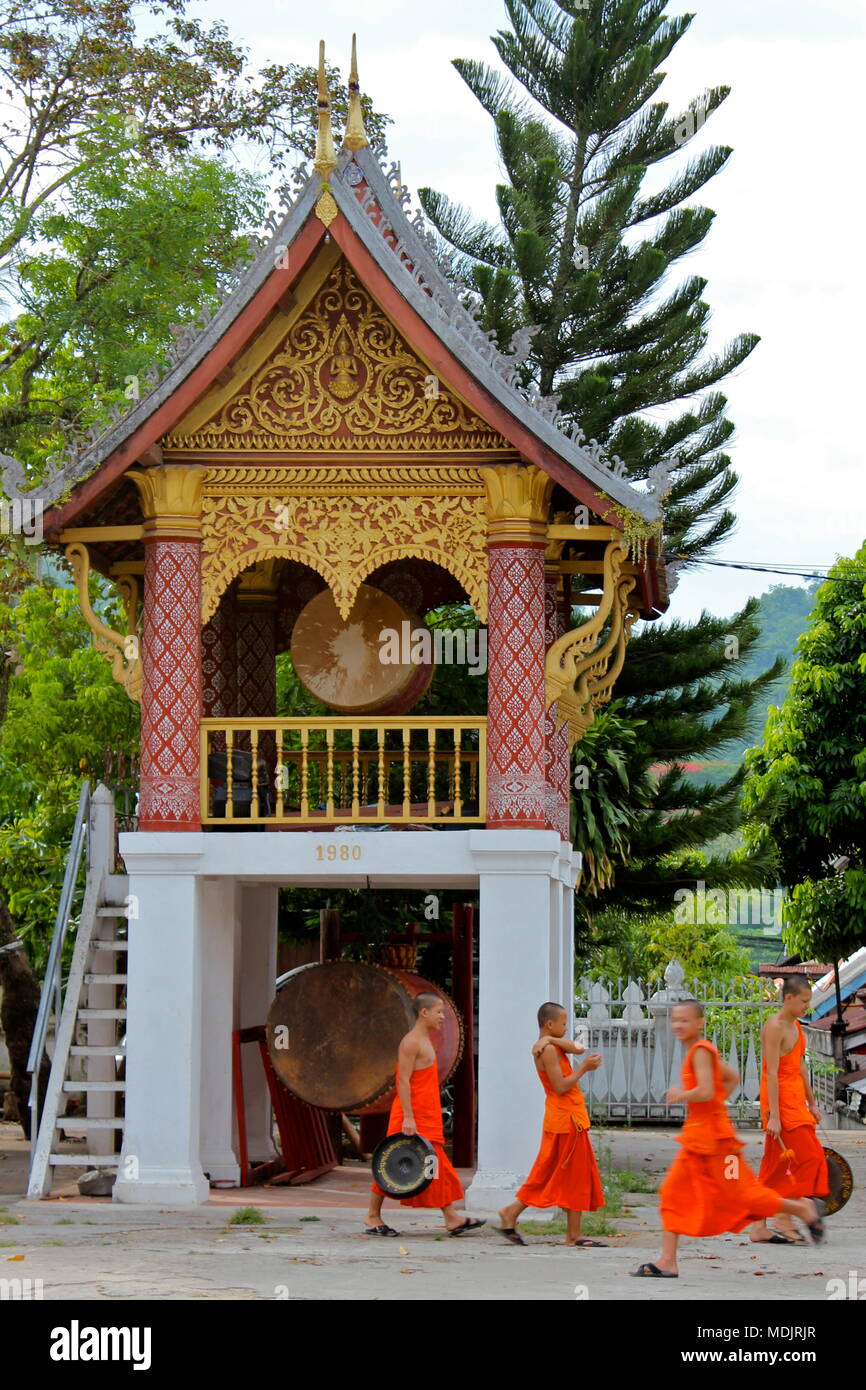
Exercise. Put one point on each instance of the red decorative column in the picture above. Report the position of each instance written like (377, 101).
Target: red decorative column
(169, 796)
(558, 752)
(517, 786)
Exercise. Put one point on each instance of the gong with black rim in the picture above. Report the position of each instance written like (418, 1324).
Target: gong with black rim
(840, 1180)
(404, 1165)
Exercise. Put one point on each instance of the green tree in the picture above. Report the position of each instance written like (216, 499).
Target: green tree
(805, 792)
(69, 66)
(137, 249)
(584, 252)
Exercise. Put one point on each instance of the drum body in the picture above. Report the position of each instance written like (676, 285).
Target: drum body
(447, 1041)
(333, 1031)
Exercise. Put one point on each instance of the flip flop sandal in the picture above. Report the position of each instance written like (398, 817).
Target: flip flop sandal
(649, 1271)
(816, 1230)
(511, 1234)
(470, 1224)
(587, 1244)
(380, 1231)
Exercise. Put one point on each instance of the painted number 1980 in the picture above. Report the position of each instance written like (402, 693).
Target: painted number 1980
(333, 852)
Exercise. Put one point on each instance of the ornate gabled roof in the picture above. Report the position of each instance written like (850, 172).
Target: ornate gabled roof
(351, 198)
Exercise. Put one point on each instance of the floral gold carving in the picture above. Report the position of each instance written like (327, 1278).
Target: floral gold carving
(342, 379)
(326, 208)
(343, 523)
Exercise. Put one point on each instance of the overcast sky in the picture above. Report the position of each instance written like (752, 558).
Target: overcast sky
(784, 258)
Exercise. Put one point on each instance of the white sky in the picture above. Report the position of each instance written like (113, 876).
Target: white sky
(783, 258)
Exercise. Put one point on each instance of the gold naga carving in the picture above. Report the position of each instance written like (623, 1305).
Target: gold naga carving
(121, 651)
(343, 522)
(341, 379)
(579, 673)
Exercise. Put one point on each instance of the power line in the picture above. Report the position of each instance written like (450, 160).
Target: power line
(791, 571)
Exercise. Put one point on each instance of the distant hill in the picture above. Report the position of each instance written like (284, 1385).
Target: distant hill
(783, 616)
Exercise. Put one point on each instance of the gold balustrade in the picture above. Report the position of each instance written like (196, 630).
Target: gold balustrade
(296, 772)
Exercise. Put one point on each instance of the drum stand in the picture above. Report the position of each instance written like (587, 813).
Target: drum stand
(307, 1150)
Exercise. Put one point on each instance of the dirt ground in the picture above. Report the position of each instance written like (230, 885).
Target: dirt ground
(311, 1246)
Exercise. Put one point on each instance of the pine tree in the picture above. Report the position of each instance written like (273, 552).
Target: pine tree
(583, 252)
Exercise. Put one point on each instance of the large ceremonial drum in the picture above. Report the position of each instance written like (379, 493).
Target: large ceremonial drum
(333, 1031)
(355, 665)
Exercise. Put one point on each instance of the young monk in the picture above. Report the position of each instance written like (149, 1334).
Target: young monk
(794, 1163)
(709, 1188)
(417, 1110)
(565, 1173)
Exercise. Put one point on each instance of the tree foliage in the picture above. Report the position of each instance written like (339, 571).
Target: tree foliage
(805, 793)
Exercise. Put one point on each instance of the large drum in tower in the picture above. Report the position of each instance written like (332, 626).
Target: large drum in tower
(333, 1031)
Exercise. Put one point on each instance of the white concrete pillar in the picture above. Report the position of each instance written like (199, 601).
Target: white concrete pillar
(517, 872)
(160, 1160)
(255, 987)
(569, 867)
(219, 924)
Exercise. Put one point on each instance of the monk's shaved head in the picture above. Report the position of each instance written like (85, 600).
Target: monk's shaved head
(795, 984)
(548, 1012)
(426, 1000)
(698, 1009)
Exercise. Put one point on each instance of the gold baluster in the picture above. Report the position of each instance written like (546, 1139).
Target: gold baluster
(230, 744)
(407, 775)
(380, 809)
(281, 773)
(305, 773)
(458, 804)
(431, 771)
(356, 803)
(482, 771)
(329, 799)
(254, 776)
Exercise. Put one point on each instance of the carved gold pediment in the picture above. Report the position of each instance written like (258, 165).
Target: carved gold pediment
(339, 377)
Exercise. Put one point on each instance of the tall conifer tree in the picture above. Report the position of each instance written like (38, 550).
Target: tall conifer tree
(585, 249)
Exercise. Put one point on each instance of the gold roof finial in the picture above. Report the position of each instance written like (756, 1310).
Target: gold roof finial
(326, 156)
(355, 137)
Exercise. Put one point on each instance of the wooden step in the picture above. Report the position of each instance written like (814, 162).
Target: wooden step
(94, 1085)
(101, 1013)
(98, 1050)
(119, 911)
(85, 1160)
(114, 944)
(69, 1122)
(106, 979)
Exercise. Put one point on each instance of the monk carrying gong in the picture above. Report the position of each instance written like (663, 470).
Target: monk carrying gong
(417, 1110)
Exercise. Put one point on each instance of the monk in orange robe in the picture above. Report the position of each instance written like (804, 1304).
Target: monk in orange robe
(794, 1163)
(709, 1188)
(565, 1173)
(418, 1110)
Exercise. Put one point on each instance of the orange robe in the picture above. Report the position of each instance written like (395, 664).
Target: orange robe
(804, 1175)
(565, 1173)
(709, 1187)
(427, 1113)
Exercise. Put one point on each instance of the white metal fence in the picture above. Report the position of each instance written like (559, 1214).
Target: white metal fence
(628, 1022)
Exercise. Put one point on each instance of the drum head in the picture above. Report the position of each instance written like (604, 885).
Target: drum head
(333, 1032)
(841, 1181)
(404, 1165)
